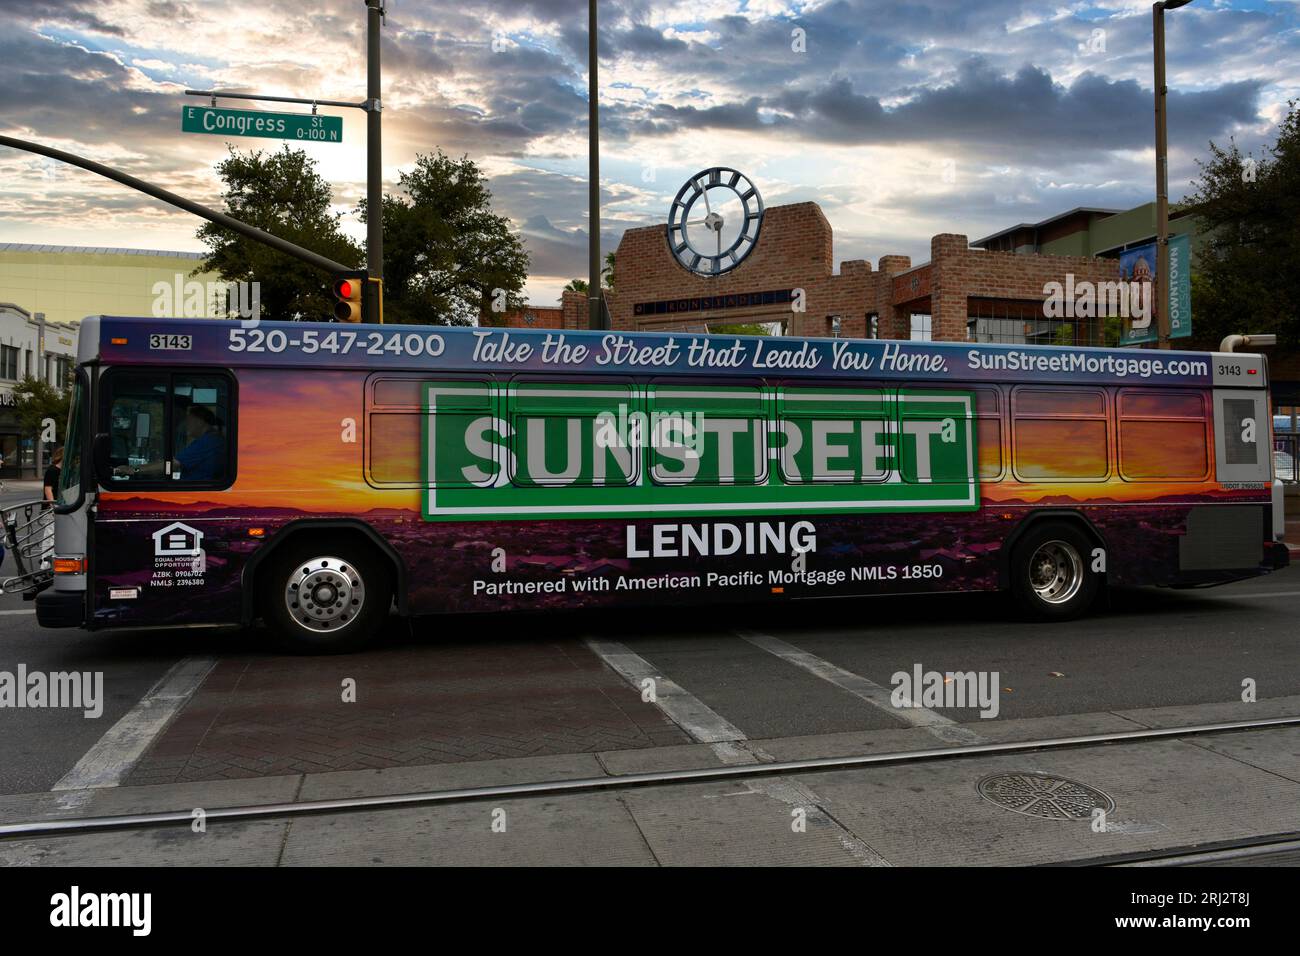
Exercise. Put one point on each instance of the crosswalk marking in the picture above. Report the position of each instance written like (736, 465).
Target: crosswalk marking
(865, 690)
(682, 707)
(727, 741)
(108, 762)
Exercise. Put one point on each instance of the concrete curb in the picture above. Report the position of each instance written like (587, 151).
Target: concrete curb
(701, 823)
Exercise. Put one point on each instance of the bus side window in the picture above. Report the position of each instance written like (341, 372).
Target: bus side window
(842, 436)
(201, 427)
(137, 424)
(1162, 435)
(422, 433)
(950, 419)
(571, 434)
(707, 436)
(169, 428)
(1060, 434)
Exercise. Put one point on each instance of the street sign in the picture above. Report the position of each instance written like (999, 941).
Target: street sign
(303, 127)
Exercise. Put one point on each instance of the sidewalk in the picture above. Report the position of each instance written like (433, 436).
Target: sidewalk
(20, 489)
(1165, 793)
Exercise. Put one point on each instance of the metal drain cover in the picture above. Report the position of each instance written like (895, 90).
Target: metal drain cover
(1042, 795)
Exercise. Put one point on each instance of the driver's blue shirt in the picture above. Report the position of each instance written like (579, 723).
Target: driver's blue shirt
(202, 459)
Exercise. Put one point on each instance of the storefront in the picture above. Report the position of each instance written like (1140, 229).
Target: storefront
(29, 347)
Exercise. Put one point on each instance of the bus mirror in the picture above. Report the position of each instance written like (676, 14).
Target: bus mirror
(100, 455)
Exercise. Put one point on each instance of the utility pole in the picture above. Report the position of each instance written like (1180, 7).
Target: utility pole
(39, 318)
(596, 316)
(1161, 303)
(373, 303)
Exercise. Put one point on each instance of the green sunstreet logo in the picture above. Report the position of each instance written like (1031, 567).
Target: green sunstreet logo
(560, 451)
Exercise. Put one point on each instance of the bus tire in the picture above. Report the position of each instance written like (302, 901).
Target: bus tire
(1051, 572)
(324, 596)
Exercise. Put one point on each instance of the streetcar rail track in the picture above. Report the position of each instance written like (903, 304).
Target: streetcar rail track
(1218, 851)
(100, 824)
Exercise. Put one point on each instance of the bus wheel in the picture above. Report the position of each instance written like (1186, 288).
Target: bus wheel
(326, 598)
(1051, 577)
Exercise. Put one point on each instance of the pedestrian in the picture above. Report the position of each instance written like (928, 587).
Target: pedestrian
(51, 482)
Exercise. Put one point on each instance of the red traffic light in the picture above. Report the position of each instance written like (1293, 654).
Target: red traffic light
(347, 293)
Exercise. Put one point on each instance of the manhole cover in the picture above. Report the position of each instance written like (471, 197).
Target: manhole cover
(1041, 795)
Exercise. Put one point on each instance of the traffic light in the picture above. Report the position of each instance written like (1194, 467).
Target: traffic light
(348, 288)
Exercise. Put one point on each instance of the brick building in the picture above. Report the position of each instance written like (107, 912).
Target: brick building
(529, 317)
(961, 293)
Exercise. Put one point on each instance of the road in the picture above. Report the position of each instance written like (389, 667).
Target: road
(215, 718)
(465, 689)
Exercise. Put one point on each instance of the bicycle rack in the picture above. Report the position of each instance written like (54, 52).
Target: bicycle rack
(28, 532)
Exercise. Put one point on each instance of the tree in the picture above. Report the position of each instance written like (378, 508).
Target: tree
(742, 328)
(35, 403)
(448, 257)
(606, 278)
(283, 194)
(607, 273)
(1246, 275)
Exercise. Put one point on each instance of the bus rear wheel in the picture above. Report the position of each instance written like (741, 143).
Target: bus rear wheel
(325, 597)
(1051, 572)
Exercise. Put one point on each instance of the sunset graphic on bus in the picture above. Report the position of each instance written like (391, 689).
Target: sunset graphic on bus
(304, 442)
(284, 460)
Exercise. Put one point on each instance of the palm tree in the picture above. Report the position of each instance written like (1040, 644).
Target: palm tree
(576, 285)
(607, 273)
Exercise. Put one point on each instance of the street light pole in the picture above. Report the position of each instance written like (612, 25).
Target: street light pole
(1161, 303)
(596, 315)
(372, 307)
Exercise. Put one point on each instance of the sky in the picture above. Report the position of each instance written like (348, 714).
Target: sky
(903, 120)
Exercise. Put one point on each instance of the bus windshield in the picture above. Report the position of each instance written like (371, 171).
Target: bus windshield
(70, 475)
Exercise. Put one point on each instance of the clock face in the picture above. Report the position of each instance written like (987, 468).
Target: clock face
(714, 221)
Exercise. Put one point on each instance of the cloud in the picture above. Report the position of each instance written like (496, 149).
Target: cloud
(1034, 114)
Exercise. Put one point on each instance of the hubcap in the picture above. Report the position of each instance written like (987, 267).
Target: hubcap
(1056, 572)
(324, 594)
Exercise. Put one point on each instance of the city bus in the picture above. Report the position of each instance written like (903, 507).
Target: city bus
(320, 477)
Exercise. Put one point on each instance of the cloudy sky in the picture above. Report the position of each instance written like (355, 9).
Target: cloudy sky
(901, 119)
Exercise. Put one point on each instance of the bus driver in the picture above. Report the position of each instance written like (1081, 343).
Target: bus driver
(203, 457)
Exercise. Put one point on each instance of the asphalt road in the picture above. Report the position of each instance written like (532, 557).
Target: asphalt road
(1149, 648)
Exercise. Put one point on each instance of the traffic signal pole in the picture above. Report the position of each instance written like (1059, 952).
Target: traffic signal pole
(180, 202)
(373, 297)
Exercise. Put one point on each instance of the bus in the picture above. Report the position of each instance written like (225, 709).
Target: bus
(319, 477)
